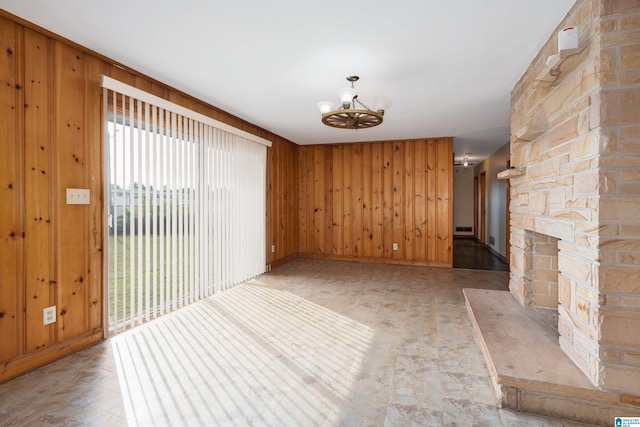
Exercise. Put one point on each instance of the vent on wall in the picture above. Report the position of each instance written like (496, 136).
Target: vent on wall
(463, 229)
(492, 240)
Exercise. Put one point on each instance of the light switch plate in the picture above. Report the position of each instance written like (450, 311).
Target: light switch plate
(78, 196)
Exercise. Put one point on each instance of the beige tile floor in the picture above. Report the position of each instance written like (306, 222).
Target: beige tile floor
(313, 343)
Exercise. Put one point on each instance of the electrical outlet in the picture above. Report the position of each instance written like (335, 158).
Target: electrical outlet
(49, 315)
(395, 246)
(273, 248)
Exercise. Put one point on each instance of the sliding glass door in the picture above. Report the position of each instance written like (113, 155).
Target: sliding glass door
(186, 207)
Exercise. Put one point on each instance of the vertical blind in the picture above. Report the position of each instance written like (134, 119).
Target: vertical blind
(186, 205)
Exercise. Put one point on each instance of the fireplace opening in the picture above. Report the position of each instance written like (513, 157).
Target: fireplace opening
(545, 276)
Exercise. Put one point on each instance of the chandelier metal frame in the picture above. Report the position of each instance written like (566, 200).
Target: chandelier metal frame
(349, 116)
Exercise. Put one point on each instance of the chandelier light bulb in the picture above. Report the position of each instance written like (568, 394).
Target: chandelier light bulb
(346, 94)
(381, 103)
(325, 106)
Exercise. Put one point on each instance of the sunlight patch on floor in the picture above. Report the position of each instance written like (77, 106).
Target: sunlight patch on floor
(293, 361)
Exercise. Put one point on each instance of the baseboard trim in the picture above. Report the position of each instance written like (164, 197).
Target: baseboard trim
(281, 261)
(496, 253)
(375, 260)
(40, 358)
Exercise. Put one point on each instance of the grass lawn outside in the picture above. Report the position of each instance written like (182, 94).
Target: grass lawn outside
(145, 281)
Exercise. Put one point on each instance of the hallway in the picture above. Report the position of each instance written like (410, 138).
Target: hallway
(469, 254)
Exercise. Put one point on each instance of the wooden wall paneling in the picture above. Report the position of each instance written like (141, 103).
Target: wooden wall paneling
(328, 199)
(207, 110)
(450, 171)
(398, 199)
(175, 97)
(356, 193)
(367, 197)
(161, 91)
(39, 149)
(20, 168)
(347, 197)
(282, 216)
(409, 202)
(387, 194)
(420, 201)
(94, 146)
(11, 189)
(302, 200)
(338, 187)
(144, 84)
(319, 199)
(122, 75)
(274, 154)
(290, 223)
(280, 175)
(309, 171)
(276, 210)
(376, 200)
(71, 172)
(431, 200)
(444, 203)
(363, 197)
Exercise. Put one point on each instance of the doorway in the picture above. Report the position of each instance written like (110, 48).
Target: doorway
(482, 195)
(472, 253)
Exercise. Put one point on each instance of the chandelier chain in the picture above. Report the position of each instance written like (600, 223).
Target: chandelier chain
(361, 104)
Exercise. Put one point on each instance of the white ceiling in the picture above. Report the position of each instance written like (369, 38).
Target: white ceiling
(447, 65)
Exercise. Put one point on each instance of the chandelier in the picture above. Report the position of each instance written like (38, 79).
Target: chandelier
(352, 114)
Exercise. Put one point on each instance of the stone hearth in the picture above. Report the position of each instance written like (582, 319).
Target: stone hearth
(530, 372)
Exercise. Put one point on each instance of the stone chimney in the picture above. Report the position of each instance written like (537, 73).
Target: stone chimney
(575, 153)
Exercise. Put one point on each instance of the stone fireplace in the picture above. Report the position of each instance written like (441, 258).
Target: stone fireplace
(575, 192)
(575, 227)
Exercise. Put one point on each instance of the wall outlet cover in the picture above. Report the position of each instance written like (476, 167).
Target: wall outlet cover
(48, 315)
